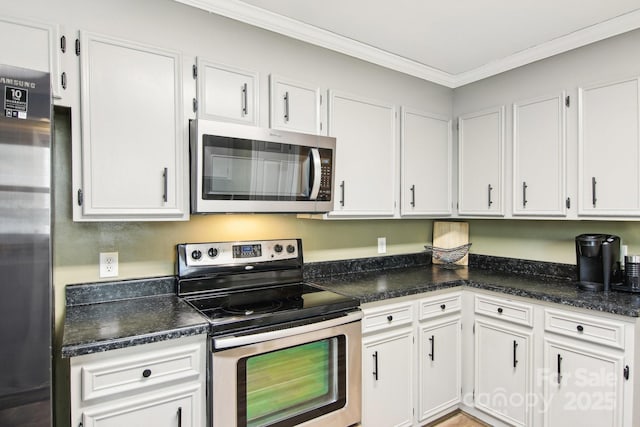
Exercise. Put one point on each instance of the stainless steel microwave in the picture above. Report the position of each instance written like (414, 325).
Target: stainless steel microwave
(239, 168)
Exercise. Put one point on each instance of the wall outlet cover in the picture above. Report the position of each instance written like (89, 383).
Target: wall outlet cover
(108, 264)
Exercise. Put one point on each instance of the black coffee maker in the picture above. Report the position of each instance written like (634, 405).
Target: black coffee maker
(598, 261)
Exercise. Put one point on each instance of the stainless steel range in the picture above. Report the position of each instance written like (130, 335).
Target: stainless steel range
(283, 352)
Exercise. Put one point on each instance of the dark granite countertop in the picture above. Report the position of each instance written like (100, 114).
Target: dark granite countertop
(379, 285)
(108, 325)
(109, 315)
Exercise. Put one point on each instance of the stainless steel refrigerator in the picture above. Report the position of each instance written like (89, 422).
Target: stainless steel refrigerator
(25, 248)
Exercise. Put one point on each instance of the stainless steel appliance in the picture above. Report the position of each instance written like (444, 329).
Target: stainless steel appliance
(238, 168)
(25, 248)
(598, 261)
(283, 352)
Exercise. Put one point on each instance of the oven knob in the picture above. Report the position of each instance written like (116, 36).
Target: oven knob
(196, 254)
(213, 252)
(291, 249)
(277, 248)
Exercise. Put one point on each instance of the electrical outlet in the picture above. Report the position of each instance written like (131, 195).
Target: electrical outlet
(108, 264)
(382, 245)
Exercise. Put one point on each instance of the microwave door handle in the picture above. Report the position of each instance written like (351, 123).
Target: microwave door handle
(317, 174)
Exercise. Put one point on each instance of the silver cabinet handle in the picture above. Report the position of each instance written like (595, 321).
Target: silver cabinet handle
(245, 107)
(286, 107)
(342, 193)
(489, 188)
(317, 174)
(165, 185)
(593, 191)
(524, 194)
(413, 196)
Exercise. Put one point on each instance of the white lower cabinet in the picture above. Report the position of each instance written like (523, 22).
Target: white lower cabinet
(439, 367)
(502, 371)
(583, 385)
(387, 366)
(519, 362)
(159, 384)
(387, 361)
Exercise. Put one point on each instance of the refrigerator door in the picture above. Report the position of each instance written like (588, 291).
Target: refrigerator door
(25, 248)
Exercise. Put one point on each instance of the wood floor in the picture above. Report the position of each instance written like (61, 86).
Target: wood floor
(459, 420)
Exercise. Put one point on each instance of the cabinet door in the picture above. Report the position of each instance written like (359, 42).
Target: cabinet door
(387, 380)
(439, 364)
(481, 163)
(582, 387)
(539, 156)
(425, 164)
(227, 93)
(295, 106)
(503, 372)
(365, 155)
(608, 141)
(34, 46)
(169, 409)
(133, 131)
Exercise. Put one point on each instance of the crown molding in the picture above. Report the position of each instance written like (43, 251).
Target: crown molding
(267, 20)
(603, 30)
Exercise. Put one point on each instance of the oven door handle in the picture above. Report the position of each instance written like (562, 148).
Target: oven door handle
(236, 341)
(317, 174)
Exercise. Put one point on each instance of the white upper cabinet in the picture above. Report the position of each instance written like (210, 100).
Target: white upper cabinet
(608, 149)
(425, 164)
(539, 186)
(365, 180)
(134, 148)
(32, 45)
(227, 93)
(481, 163)
(295, 106)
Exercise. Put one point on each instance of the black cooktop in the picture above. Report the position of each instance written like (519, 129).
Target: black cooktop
(261, 307)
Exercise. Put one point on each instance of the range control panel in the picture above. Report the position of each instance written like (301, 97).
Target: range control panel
(226, 253)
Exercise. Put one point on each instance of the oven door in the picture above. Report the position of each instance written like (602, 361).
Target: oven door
(310, 375)
(248, 169)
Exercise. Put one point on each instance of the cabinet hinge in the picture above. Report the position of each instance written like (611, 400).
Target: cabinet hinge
(77, 47)
(80, 197)
(195, 71)
(625, 372)
(320, 99)
(568, 202)
(473, 395)
(63, 44)
(474, 328)
(567, 101)
(457, 125)
(195, 105)
(63, 80)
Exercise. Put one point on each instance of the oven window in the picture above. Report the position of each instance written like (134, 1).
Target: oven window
(240, 169)
(292, 385)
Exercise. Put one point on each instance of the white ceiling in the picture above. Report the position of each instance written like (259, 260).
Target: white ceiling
(451, 42)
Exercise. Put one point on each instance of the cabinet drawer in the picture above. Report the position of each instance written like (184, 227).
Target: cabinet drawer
(386, 317)
(440, 305)
(584, 327)
(126, 373)
(510, 311)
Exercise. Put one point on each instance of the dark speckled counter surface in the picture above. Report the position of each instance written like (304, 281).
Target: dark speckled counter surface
(109, 323)
(106, 316)
(539, 281)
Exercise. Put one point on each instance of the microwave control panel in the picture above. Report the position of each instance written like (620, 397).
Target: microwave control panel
(326, 167)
